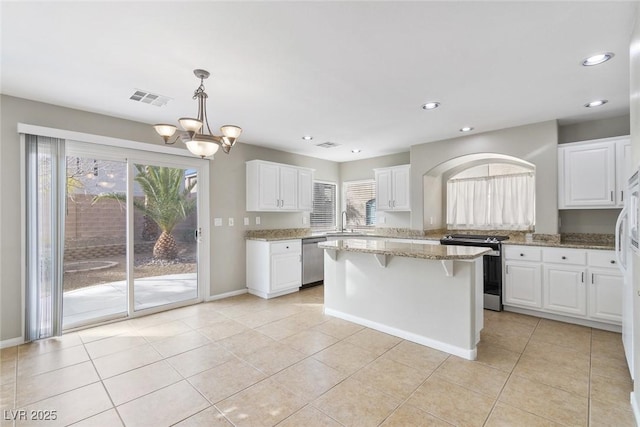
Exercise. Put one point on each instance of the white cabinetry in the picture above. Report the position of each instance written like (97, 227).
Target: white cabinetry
(591, 173)
(624, 163)
(576, 283)
(523, 285)
(393, 190)
(274, 268)
(605, 287)
(277, 187)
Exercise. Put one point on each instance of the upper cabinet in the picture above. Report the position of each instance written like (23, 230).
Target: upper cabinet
(274, 187)
(393, 189)
(593, 174)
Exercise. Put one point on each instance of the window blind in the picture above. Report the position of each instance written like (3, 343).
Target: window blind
(360, 201)
(323, 215)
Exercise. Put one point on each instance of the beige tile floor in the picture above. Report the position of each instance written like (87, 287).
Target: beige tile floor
(251, 362)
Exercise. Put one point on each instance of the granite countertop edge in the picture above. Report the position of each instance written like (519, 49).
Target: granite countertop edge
(407, 252)
(512, 241)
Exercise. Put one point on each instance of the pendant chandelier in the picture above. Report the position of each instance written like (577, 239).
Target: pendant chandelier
(193, 134)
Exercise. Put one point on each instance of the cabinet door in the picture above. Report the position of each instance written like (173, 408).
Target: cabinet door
(288, 188)
(383, 190)
(268, 191)
(624, 167)
(587, 175)
(286, 271)
(305, 190)
(401, 193)
(605, 295)
(523, 285)
(564, 289)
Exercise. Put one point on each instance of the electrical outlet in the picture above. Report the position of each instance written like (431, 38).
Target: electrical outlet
(217, 222)
(246, 221)
(431, 220)
(257, 220)
(304, 219)
(230, 222)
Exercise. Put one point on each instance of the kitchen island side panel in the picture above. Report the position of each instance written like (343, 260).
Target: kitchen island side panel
(411, 298)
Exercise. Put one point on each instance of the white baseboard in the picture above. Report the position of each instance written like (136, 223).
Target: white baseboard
(225, 295)
(11, 342)
(567, 319)
(634, 406)
(409, 336)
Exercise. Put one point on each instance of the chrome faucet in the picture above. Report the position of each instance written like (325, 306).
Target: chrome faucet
(343, 220)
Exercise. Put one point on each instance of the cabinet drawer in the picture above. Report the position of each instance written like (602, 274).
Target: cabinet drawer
(287, 246)
(565, 256)
(602, 259)
(523, 253)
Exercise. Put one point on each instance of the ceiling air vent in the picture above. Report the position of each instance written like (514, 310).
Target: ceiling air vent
(327, 145)
(149, 98)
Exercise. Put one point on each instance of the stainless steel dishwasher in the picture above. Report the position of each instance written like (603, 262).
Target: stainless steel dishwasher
(312, 261)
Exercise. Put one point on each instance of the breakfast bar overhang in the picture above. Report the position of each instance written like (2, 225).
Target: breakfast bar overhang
(425, 293)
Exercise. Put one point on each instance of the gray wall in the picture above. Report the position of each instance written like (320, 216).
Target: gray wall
(591, 220)
(363, 169)
(595, 129)
(535, 143)
(227, 196)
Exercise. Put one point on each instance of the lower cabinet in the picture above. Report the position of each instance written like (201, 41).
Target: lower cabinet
(274, 268)
(523, 285)
(577, 283)
(564, 289)
(605, 295)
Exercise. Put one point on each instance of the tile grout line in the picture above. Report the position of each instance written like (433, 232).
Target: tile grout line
(497, 399)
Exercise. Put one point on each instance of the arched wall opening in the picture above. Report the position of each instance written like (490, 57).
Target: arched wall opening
(434, 183)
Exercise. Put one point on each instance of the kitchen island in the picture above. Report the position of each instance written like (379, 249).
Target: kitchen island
(425, 293)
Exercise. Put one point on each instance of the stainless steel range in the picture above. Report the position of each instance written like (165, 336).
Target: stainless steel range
(492, 264)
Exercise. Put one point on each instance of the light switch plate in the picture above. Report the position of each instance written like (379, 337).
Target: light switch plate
(246, 221)
(257, 220)
(304, 219)
(217, 222)
(230, 222)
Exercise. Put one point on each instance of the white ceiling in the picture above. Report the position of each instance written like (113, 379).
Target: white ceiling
(353, 73)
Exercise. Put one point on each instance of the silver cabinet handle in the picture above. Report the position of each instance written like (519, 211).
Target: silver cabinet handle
(582, 277)
(622, 196)
(592, 278)
(612, 195)
(564, 257)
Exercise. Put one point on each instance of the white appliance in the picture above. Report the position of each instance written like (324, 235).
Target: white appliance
(627, 228)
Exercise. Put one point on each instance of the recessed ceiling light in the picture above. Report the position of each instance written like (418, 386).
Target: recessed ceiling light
(356, 150)
(466, 129)
(597, 59)
(431, 105)
(596, 103)
(307, 137)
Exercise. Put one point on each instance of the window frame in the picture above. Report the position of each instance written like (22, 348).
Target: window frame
(336, 206)
(343, 200)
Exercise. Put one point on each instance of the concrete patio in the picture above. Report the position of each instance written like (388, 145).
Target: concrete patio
(92, 302)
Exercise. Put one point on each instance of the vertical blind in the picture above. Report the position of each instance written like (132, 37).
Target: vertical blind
(323, 215)
(360, 202)
(45, 204)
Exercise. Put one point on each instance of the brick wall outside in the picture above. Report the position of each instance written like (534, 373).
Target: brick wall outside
(98, 230)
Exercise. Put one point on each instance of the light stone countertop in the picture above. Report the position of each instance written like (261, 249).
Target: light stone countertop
(576, 241)
(409, 250)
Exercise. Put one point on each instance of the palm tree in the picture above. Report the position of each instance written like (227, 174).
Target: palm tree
(165, 202)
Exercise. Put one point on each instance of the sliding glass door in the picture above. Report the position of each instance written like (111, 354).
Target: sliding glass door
(133, 236)
(165, 224)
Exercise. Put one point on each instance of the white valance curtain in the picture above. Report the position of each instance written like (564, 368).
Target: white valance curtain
(497, 202)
